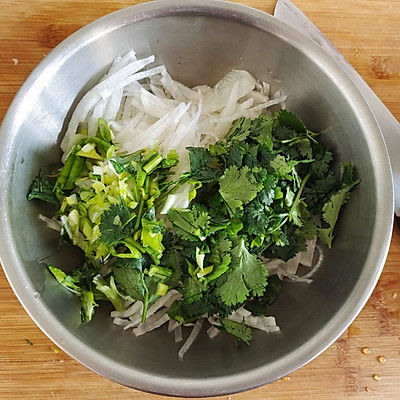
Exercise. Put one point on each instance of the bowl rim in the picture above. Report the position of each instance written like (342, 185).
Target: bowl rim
(255, 377)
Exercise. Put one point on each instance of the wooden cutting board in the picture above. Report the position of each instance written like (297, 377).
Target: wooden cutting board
(367, 33)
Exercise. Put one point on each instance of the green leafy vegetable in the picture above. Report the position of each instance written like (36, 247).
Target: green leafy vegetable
(42, 189)
(247, 277)
(88, 305)
(331, 209)
(116, 224)
(240, 331)
(66, 280)
(238, 187)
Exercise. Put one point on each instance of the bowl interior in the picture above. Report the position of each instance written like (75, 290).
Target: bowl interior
(196, 50)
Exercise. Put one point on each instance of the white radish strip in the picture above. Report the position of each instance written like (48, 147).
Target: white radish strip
(164, 301)
(97, 113)
(171, 87)
(148, 136)
(216, 99)
(258, 97)
(133, 309)
(178, 334)
(266, 324)
(266, 87)
(154, 322)
(93, 96)
(172, 325)
(245, 105)
(306, 257)
(236, 317)
(51, 223)
(243, 312)
(292, 265)
(212, 331)
(223, 128)
(120, 321)
(249, 112)
(192, 337)
(158, 91)
(153, 105)
(190, 94)
(317, 264)
(214, 321)
(113, 105)
(296, 278)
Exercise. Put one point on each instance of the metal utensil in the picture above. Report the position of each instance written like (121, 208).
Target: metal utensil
(199, 41)
(287, 12)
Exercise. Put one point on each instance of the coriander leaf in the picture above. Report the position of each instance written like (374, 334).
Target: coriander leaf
(290, 120)
(187, 312)
(190, 225)
(132, 281)
(116, 224)
(239, 330)
(258, 305)
(331, 209)
(203, 167)
(193, 290)
(248, 276)
(241, 128)
(138, 263)
(42, 189)
(238, 187)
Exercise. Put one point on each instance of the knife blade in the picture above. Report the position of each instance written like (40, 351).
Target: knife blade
(287, 12)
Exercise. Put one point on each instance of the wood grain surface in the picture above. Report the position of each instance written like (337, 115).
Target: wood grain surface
(367, 33)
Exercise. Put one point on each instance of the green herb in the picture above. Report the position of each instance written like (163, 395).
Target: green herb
(240, 331)
(42, 189)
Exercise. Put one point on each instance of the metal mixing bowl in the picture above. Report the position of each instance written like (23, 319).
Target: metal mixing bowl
(199, 41)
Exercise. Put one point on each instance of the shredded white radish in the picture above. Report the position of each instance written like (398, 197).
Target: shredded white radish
(212, 331)
(120, 321)
(172, 325)
(178, 334)
(51, 223)
(133, 309)
(192, 337)
(153, 322)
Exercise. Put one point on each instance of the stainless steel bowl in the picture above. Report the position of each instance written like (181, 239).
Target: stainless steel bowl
(199, 41)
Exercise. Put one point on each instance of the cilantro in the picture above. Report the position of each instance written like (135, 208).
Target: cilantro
(290, 120)
(42, 189)
(331, 209)
(258, 305)
(191, 224)
(203, 167)
(116, 224)
(239, 330)
(238, 187)
(248, 276)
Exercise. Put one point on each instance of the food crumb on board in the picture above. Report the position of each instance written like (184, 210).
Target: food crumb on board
(55, 349)
(376, 377)
(367, 389)
(381, 359)
(394, 295)
(29, 342)
(286, 378)
(15, 61)
(365, 350)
